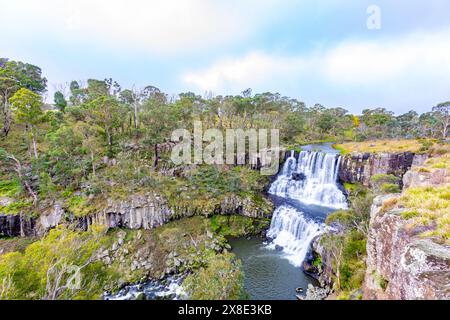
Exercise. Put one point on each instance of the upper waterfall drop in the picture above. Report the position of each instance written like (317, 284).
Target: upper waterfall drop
(311, 178)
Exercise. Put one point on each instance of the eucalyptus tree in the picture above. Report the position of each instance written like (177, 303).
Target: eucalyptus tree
(107, 113)
(27, 107)
(13, 76)
(442, 113)
(60, 101)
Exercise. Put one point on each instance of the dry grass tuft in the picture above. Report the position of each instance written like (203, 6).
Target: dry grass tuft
(380, 146)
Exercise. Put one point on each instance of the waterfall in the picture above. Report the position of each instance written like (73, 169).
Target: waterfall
(291, 231)
(310, 178)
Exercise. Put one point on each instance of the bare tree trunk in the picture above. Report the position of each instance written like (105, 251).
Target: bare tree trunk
(18, 169)
(338, 273)
(136, 120)
(110, 140)
(34, 145)
(155, 161)
(93, 164)
(6, 117)
(445, 128)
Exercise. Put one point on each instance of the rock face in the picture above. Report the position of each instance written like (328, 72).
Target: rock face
(323, 271)
(401, 265)
(17, 226)
(51, 217)
(139, 211)
(417, 178)
(360, 167)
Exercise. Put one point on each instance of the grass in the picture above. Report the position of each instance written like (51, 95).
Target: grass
(426, 205)
(341, 149)
(429, 206)
(380, 146)
(438, 162)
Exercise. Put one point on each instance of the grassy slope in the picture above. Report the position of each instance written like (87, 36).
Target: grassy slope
(379, 146)
(428, 205)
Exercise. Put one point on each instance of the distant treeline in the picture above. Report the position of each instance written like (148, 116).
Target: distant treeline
(97, 118)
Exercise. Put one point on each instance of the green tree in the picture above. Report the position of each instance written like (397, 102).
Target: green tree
(77, 94)
(11, 163)
(13, 76)
(442, 114)
(60, 101)
(159, 122)
(428, 124)
(27, 106)
(90, 140)
(107, 113)
(408, 124)
(378, 122)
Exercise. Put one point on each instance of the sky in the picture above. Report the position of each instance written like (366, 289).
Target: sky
(354, 54)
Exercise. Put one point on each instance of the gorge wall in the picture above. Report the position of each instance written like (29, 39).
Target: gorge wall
(138, 211)
(401, 263)
(360, 167)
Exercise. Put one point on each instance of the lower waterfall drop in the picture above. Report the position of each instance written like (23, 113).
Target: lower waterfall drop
(291, 231)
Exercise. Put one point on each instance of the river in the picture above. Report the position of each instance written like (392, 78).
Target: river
(305, 192)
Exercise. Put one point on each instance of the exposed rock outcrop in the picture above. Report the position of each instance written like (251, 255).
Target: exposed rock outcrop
(360, 167)
(319, 263)
(400, 264)
(138, 211)
(316, 293)
(51, 217)
(17, 226)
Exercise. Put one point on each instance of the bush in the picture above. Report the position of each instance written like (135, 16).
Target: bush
(238, 226)
(385, 183)
(390, 188)
(380, 179)
(10, 188)
(222, 279)
(44, 262)
(342, 217)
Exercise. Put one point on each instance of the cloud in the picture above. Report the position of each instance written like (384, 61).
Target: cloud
(408, 70)
(253, 69)
(421, 55)
(158, 26)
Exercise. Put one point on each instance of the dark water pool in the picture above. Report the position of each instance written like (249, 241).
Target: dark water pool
(268, 276)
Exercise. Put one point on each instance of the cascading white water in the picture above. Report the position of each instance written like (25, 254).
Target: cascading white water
(312, 179)
(290, 230)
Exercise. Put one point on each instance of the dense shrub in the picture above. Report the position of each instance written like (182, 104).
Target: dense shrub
(221, 279)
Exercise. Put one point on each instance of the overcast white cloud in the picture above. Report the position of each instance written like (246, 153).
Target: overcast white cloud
(388, 68)
(316, 50)
(157, 26)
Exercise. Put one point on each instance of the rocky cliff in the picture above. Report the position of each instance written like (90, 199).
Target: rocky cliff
(402, 263)
(360, 167)
(17, 226)
(138, 211)
(319, 264)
